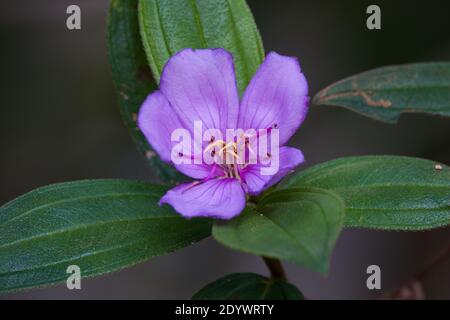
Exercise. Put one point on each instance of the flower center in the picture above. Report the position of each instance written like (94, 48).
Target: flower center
(226, 156)
(234, 156)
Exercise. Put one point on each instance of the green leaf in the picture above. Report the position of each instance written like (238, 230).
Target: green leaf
(386, 192)
(167, 26)
(99, 225)
(248, 286)
(385, 93)
(132, 77)
(299, 225)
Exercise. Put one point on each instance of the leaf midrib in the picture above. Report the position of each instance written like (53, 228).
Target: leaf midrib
(376, 90)
(68, 200)
(85, 226)
(293, 238)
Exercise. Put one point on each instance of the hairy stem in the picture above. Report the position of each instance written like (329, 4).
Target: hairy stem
(275, 268)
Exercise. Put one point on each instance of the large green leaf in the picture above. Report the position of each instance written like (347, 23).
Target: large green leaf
(167, 26)
(99, 225)
(132, 76)
(248, 286)
(296, 225)
(388, 192)
(385, 93)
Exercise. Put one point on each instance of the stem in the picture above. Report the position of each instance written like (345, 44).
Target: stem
(413, 288)
(275, 268)
(439, 258)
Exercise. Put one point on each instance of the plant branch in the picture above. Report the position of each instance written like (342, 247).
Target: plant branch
(413, 289)
(437, 259)
(275, 267)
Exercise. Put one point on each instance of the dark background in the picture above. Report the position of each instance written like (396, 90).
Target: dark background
(59, 121)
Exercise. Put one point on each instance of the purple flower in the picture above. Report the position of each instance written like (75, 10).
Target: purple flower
(200, 85)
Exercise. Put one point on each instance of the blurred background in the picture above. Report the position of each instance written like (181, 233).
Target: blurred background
(59, 121)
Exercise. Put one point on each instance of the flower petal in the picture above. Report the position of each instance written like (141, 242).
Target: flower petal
(157, 121)
(218, 198)
(201, 85)
(254, 181)
(199, 171)
(257, 182)
(277, 95)
(289, 159)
